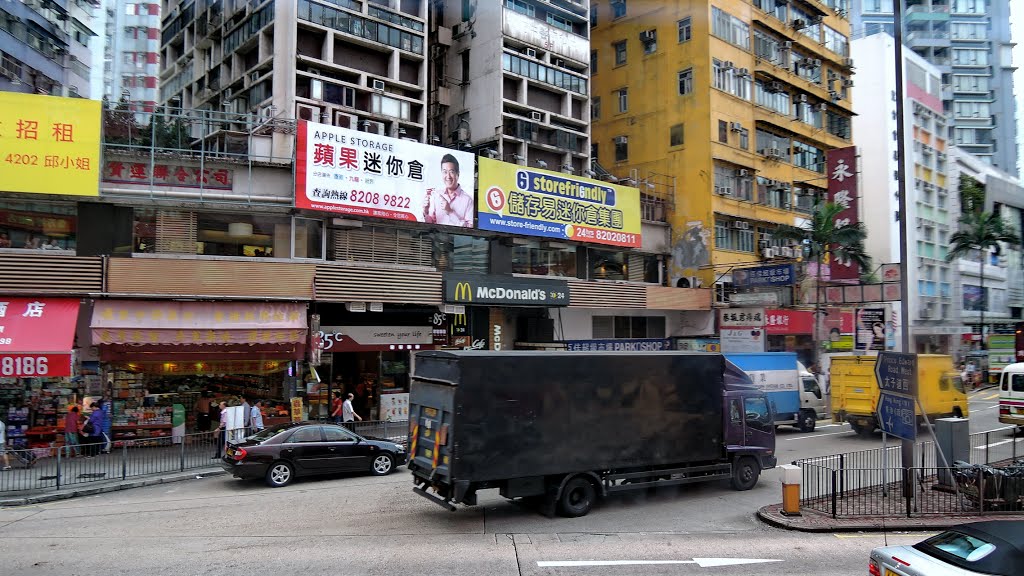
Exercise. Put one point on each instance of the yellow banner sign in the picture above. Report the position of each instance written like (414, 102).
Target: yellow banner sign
(49, 145)
(535, 202)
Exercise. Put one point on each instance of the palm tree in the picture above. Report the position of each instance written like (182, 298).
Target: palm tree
(981, 231)
(823, 242)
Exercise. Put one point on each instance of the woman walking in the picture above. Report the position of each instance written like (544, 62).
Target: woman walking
(72, 426)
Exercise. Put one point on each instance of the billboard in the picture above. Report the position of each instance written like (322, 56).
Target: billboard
(842, 190)
(49, 145)
(871, 329)
(364, 174)
(534, 202)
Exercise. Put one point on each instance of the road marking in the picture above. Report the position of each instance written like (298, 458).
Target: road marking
(818, 435)
(702, 562)
(990, 397)
(1001, 443)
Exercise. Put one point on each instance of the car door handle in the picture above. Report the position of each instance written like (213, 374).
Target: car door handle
(332, 448)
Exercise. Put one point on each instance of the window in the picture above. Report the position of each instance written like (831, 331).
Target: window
(551, 76)
(767, 143)
(1017, 382)
(808, 157)
(685, 29)
(620, 52)
(520, 6)
(593, 62)
(757, 415)
(649, 38)
(745, 139)
(836, 42)
(729, 28)
(628, 326)
(559, 22)
(337, 434)
(212, 233)
(731, 80)
(308, 241)
(623, 94)
(723, 131)
(593, 15)
(621, 148)
(618, 8)
(675, 135)
(772, 95)
(305, 434)
(37, 225)
(735, 411)
(686, 82)
(734, 181)
(971, 109)
(542, 260)
(595, 108)
(459, 252)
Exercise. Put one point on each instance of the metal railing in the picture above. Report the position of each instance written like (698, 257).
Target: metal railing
(71, 466)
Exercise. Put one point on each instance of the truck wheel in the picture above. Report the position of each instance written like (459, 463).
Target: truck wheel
(577, 498)
(865, 431)
(808, 421)
(745, 472)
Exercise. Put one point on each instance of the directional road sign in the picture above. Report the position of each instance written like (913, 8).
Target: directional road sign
(896, 415)
(897, 372)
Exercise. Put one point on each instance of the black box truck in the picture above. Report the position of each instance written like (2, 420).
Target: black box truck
(564, 428)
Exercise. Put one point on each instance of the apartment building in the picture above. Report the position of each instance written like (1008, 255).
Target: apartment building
(931, 199)
(44, 46)
(131, 58)
(970, 42)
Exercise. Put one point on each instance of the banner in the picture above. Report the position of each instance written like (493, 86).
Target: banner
(842, 190)
(365, 174)
(871, 329)
(534, 202)
(49, 145)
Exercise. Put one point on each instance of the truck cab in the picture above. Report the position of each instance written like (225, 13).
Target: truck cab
(749, 420)
(813, 405)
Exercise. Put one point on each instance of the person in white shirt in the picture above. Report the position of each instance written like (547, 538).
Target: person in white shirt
(348, 413)
(256, 420)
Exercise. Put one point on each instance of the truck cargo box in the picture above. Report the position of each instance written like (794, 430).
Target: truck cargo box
(515, 413)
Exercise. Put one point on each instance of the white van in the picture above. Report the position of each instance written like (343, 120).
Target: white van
(1011, 395)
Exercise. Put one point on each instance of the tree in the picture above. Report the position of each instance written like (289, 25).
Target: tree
(981, 232)
(824, 242)
(972, 194)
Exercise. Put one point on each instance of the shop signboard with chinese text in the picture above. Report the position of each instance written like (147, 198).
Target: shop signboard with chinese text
(36, 336)
(742, 339)
(365, 174)
(788, 322)
(535, 202)
(623, 345)
(49, 145)
(778, 275)
(842, 190)
(167, 175)
(741, 318)
(476, 289)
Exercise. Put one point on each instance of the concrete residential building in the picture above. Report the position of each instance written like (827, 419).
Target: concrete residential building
(969, 41)
(931, 212)
(132, 54)
(735, 101)
(511, 80)
(44, 46)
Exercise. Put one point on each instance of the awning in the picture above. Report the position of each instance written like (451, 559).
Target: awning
(146, 329)
(36, 336)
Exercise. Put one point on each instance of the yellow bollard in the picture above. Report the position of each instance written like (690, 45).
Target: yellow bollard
(790, 490)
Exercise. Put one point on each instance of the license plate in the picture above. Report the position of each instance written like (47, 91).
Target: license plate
(230, 452)
(890, 573)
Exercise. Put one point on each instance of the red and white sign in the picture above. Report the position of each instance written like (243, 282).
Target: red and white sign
(36, 336)
(842, 190)
(366, 174)
(789, 322)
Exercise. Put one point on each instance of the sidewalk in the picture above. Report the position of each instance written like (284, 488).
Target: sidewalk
(104, 486)
(812, 521)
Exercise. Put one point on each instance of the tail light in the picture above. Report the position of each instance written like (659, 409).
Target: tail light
(873, 569)
(239, 454)
(1004, 410)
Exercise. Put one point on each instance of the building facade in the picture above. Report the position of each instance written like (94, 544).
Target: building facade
(131, 57)
(969, 41)
(931, 200)
(44, 47)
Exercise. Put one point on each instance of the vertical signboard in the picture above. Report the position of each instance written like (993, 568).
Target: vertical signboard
(871, 329)
(842, 190)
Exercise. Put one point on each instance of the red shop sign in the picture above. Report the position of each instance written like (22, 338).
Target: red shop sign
(788, 322)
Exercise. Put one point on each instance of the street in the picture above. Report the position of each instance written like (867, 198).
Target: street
(365, 525)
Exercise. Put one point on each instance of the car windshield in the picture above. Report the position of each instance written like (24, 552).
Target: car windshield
(962, 546)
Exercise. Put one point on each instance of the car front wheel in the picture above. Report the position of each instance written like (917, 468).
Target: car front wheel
(280, 474)
(383, 464)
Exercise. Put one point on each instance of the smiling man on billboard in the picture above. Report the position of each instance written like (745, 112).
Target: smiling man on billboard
(452, 207)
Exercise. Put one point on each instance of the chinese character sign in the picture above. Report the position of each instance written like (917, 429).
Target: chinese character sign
(842, 190)
(536, 202)
(167, 176)
(741, 318)
(788, 322)
(364, 174)
(49, 145)
(779, 275)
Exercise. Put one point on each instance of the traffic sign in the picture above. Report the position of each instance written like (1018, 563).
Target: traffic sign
(896, 372)
(896, 415)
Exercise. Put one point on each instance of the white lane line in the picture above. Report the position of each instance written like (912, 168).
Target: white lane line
(818, 435)
(702, 562)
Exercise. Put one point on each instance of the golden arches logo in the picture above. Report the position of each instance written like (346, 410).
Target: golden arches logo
(463, 292)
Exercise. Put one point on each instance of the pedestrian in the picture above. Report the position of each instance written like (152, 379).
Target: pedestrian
(93, 431)
(72, 426)
(203, 412)
(246, 416)
(105, 426)
(337, 408)
(257, 416)
(222, 430)
(349, 413)
(3, 446)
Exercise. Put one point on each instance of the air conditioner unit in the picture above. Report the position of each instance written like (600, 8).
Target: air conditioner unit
(343, 120)
(378, 85)
(774, 87)
(740, 225)
(823, 107)
(723, 191)
(742, 172)
(799, 23)
(816, 62)
(536, 116)
(801, 98)
(743, 72)
(786, 252)
(254, 77)
(462, 135)
(306, 112)
(530, 52)
(736, 127)
(373, 127)
(648, 36)
(728, 65)
(559, 62)
(787, 45)
(848, 62)
(768, 253)
(774, 153)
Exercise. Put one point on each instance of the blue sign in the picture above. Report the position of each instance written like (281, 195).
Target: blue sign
(625, 345)
(897, 372)
(778, 275)
(896, 416)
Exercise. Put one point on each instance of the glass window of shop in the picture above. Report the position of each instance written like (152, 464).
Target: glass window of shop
(628, 326)
(544, 259)
(371, 378)
(629, 266)
(461, 253)
(221, 234)
(38, 226)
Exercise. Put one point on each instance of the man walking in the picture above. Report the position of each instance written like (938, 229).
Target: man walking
(336, 408)
(257, 416)
(348, 412)
(222, 430)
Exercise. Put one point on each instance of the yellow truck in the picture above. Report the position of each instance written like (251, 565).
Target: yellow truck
(855, 390)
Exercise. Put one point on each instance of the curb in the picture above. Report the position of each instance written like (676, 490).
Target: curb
(123, 485)
(770, 515)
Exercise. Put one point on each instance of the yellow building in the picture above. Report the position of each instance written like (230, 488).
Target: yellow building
(726, 105)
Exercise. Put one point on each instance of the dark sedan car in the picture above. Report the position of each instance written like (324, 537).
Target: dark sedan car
(282, 453)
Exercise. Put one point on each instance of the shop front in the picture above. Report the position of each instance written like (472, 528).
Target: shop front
(38, 381)
(791, 331)
(162, 356)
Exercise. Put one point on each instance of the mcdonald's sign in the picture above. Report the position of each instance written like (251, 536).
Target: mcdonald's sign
(482, 289)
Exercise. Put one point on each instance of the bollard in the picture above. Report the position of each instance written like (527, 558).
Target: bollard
(790, 490)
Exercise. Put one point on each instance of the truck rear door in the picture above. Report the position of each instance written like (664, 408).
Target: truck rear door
(430, 418)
